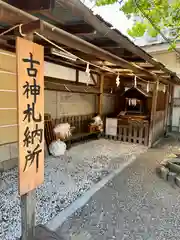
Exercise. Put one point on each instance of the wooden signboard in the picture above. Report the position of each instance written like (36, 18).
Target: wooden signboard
(30, 80)
(111, 126)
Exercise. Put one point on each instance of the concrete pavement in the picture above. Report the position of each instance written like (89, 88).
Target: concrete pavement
(135, 205)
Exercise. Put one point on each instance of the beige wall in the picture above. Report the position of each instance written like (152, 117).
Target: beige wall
(8, 97)
(169, 59)
(172, 62)
(8, 156)
(61, 72)
(64, 103)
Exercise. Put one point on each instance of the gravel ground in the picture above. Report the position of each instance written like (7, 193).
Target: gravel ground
(66, 179)
(135, 205)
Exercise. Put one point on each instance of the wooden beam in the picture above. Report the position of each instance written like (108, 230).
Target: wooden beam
(62, 37)
(12, 15)
(100, 104)
(85, 56)
(144, 64)
(25, 28)
(32, 27)
(33, 5)
(114, 35)
(104, 43)
(157, 71)
(78, 28)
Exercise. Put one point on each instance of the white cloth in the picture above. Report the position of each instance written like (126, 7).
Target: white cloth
(63, 130)
(98, 123)
(97, 120)
(57, 148)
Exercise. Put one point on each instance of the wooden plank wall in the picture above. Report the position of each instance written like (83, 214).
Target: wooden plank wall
(158, 127)
(8, 96)
(160, 114)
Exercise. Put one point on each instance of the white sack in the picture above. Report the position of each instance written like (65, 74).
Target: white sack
(57, 148)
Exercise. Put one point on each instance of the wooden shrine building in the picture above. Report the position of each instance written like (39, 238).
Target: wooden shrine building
(83, 57)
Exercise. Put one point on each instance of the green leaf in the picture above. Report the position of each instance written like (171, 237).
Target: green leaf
(105, 2)
(162, 13)
(137, 30)
(172, 46)
(151, 31)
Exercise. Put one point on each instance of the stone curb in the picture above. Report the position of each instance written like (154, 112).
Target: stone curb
(177, 181)
(171, 177)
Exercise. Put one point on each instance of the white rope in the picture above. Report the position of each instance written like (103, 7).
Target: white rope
(69, 53)
(67, 88)
(20, 31)
(9, 30)
(62, 49)
(57, 46)
(92, 64)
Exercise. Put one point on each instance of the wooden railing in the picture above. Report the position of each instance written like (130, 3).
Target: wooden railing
(79, 122)
(133, 132)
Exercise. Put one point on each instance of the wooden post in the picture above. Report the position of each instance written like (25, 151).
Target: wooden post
(166, 109)
(153, 112)
(28, 201)
(100, 104)
(28, 213)
(27, 187)
(171, 108)
(77, 76)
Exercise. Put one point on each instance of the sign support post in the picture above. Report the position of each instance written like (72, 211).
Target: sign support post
(30, 88)
(28, 215)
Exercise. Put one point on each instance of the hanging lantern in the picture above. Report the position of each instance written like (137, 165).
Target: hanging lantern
(117, 80)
